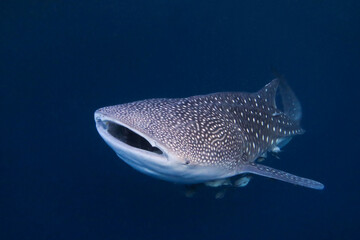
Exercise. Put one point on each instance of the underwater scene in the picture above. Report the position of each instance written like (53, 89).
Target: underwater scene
(181, 119)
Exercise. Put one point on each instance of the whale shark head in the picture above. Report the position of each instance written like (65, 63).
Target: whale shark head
(135, 138)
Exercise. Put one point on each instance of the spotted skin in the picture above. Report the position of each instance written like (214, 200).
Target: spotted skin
(228, 130)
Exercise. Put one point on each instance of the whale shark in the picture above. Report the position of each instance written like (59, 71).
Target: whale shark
(206, 138)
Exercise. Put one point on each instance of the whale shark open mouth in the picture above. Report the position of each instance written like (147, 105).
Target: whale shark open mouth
(128, 136)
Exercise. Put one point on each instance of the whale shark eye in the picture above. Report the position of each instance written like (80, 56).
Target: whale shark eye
(129, 137)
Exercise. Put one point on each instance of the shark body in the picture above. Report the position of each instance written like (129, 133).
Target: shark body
(205, 138)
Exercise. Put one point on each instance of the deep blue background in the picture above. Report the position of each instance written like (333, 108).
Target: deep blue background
(61, 60)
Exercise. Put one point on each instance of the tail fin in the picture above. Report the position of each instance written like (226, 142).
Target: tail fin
(291, 105)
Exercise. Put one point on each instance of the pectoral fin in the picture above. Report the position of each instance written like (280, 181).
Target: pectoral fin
(269, 172)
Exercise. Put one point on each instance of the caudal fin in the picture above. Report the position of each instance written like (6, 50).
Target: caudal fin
(291, 104)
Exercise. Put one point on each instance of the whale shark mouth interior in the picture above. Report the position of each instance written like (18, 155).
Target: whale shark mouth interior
(130, 138)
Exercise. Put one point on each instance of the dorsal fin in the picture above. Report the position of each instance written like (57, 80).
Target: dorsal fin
(268, 93)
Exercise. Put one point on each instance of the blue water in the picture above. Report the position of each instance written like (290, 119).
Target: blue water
(61, 60)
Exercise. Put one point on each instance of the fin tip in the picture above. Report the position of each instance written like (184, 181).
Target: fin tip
(320, 186)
